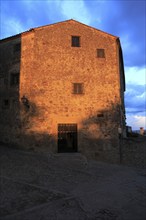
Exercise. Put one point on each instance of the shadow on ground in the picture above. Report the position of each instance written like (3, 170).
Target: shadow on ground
(67, 186)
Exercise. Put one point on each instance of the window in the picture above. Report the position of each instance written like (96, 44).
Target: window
(100, 53)
(100, 115)
(5, 103)
(17, 47)
(14, 79)
(75, 41)
(77, 88)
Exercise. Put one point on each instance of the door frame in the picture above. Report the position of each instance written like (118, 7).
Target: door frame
(67, 137)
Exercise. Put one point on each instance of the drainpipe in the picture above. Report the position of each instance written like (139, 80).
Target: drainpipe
(120, 143)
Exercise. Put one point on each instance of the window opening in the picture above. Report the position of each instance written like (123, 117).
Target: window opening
(77, 88)
(100, 53)
(75, 41)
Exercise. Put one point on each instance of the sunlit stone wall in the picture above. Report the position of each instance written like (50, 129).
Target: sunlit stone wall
(49, 66)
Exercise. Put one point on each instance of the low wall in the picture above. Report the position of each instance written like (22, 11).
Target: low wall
(134, 151)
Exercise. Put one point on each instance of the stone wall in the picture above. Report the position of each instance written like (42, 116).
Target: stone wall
(10, 57)
(134, 151)
(48, 69)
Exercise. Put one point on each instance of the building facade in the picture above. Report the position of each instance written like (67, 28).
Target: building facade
(62, 88)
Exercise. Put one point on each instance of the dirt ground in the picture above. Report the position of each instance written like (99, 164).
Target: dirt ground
(41, 186)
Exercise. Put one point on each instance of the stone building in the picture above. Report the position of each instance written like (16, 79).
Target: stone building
(62, 89)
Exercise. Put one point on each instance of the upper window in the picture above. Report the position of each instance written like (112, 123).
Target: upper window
(17, 47)
(75, 41)
(100, 53)
(14, 79)
(78, 88)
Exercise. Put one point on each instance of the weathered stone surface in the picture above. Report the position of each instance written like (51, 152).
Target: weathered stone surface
(48, 67)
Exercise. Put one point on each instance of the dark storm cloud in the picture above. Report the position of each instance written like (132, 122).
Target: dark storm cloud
(135, 98)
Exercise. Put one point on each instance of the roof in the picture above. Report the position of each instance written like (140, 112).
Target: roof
(37, 28)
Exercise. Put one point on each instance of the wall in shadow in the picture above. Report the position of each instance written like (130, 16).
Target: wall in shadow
(10, 56)
(97, 136)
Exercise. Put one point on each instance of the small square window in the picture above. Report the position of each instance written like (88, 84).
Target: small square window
(5, 103)
(77, 88)
(17, 47)
(14, 79)
(75, 41)
(100, 53)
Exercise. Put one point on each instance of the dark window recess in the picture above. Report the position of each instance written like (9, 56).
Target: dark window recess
(100, 53)
(17, 47)
(100, 115)
(6, 103)
(78, 88)
(14, 79)
(75, 41)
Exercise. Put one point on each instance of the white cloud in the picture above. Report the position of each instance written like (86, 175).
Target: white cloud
(136, 121)
(135, 75)
(76, 10)
(11, 26)
(127, 44)
(135, 97)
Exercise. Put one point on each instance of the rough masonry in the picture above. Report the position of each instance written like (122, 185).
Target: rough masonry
(62, 88)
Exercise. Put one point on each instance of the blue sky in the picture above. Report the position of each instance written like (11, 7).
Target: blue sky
(123, 18)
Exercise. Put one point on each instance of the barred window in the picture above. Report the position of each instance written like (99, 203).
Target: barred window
(78, 88)
(75, 41)
(100, 53)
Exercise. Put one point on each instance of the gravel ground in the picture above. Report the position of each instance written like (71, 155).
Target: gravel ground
(41, 186)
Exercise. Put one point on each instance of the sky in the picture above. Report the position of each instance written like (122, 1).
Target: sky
(123, 18)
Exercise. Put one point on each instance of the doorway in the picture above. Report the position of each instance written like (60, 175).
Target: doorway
(67, 138)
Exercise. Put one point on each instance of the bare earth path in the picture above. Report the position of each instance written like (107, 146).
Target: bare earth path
(40, 186)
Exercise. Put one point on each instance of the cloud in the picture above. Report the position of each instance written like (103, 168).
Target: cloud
(132, 32)
(14, 18)
(135, 90)
(131, 48)
(136, 121)
(135, 102)
(125, 19)
(135, 97)
(135, 75)
(76, 10)
(26, 14)
(12, 27)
